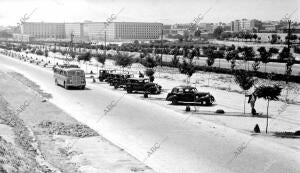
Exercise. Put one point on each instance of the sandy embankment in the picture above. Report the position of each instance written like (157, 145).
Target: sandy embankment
(62, 143)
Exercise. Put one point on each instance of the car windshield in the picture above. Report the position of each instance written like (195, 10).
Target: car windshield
(193, 89)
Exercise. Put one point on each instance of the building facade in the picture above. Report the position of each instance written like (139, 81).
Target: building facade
(94, 31)
(22, 37)
(41, 30)
(235, 26)
(242, 25)
(245, 25)
(136, 31)
(75, 30)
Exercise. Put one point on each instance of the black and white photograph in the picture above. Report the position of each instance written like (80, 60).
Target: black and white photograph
(149, 86)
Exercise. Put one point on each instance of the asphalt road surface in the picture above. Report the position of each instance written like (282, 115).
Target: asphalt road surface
(162, 138)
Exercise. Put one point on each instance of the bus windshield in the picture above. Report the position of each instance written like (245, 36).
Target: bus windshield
(75, 73)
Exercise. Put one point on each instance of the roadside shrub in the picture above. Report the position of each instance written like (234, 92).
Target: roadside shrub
(101, 58)
(85, 57)
(123, 60)
(39, 52)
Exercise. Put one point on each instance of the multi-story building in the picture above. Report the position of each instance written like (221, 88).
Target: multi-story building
(245, 25)
(94, 31)
(235, 26)
(119, 31)
(135, 31)
(43, 30)
(75, 29)
(22, 37)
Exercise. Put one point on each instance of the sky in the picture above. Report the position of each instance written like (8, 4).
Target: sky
(163, 11)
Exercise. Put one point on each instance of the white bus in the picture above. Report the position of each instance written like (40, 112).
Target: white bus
(68, 76)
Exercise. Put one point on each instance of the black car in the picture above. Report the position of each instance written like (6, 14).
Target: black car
(104, 74)
(142, 84)
(189, 94)
(121, 80)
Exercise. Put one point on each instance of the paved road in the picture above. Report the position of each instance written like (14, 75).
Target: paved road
(162, 138)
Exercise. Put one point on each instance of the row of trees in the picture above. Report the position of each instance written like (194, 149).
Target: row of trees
(248, 36)
(172, 50)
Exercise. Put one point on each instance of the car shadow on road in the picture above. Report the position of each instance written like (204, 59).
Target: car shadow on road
(153, 98)
(291, 135)
(192, 104)
(235, 114)
(76, 88)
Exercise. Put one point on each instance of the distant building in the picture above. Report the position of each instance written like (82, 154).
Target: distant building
(135, 31)
(122, 31)
(245, 25)
(207, 27)
(235, 26)
(93, 31)
(242, 25)
(43, 30)
(22, 37)
(75, 29)
(269, 28)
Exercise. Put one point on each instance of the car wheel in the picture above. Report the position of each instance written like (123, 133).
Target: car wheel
(129, 91)
(174, 101)
(83, 87)
(207, 103)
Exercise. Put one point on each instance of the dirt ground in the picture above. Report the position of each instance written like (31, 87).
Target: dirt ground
(36, 136)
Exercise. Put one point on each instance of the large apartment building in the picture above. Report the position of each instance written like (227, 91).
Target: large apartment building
(242, 25)
(43, 30)
(136, 31)
(75, 30)
(94, 31)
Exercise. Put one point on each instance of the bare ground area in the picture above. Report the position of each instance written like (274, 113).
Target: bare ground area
(36, 136)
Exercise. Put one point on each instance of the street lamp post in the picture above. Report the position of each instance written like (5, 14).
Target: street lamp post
(105, 27)
(161, 45)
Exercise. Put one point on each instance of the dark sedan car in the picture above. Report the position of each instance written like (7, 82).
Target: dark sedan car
(142, 84)
(189, 94)
(104, 74)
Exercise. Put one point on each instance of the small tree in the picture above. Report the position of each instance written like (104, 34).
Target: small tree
(232, 56)
(150, 63)
(248, 54)
(101, 58)
(123, 60)
(187, 69)
(268, 93)
(85, 57)
(245, 81)
(150, 73)
(39, 52)
(273, 50)
(255, 65)
(264, 56)
(217, 32)
(284, 54)
(211, 56)
(46, 53)
(175, 61)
